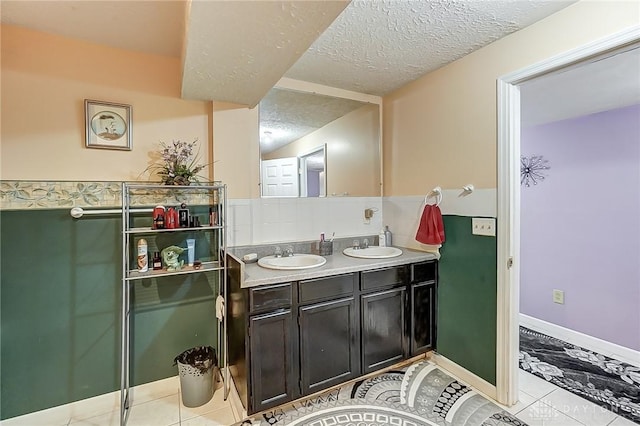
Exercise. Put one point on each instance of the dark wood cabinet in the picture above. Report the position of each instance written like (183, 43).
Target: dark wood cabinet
(383, 278)
(273, 362)
(422, 318)
(270, 297)
(321, 289)
(293, 339)
(329, 344)
(384, 342)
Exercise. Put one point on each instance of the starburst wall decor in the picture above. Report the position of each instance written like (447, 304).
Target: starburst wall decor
(531, 169)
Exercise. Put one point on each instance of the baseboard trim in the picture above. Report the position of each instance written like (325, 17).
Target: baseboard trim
(478, 383)
(101, 404)
(612, 350)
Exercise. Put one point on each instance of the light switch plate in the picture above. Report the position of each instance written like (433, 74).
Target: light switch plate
(483, 226)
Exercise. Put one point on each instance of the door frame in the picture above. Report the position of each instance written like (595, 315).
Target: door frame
(508, 284)
(303, 169)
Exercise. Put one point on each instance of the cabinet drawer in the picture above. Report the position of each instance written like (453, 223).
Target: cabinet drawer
(326, 288)
(269, 297)
(388, 277)
(425, 271)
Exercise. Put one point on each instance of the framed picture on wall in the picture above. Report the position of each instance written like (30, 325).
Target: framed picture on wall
(108, 125)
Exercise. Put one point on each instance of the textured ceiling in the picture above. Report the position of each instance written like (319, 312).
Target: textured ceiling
(289, 115)
(236, 51)
(377, 46)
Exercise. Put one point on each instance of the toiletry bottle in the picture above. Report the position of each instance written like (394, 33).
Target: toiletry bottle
(387, 236)
(157, 261)
(191, 251)
(158, 222)
(183, 216)
(213, 215)
(171, 219)
(382, 239)
(143, 257)
(158, 217)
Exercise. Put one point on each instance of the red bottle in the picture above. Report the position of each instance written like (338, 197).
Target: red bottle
(158, 217)
(171, 219)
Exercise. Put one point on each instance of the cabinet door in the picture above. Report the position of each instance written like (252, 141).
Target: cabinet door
(273, 369)
(329, 344)
(384, 342)
(423, 317)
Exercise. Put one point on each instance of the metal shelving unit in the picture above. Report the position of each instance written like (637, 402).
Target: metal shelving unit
(150, 196)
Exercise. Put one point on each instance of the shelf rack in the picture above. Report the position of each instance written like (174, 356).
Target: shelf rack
(217, 195)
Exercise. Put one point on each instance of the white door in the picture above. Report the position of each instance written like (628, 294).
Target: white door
(280, 177)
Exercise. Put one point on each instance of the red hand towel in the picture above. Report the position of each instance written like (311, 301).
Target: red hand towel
(431, 228)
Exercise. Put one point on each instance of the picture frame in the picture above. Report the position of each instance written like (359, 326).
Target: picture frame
(107, 125)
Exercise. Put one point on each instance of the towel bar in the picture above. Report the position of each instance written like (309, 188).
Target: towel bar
(78, 212)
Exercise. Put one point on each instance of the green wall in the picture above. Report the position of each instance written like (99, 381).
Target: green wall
(60, 308)
(60, 311)
(467, 298)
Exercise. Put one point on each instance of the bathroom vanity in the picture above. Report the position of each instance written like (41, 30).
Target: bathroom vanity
(294, 333)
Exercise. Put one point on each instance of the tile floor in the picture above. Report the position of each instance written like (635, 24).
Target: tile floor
(540, 404)
(544, 404)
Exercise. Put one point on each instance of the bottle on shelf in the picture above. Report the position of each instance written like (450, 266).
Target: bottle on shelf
(143, 256)
(171, 220)
(158, 217)
(183, 216)
(213, 215)
(157, 261)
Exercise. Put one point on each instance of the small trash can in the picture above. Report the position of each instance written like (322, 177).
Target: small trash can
(197, 367)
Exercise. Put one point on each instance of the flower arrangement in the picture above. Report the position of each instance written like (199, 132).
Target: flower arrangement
(178, 163)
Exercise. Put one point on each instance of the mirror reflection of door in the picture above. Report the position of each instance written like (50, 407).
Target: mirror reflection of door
(280, 177)
(294, 123)
(312, 173)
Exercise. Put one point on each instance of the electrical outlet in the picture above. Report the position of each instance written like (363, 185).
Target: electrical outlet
(483, 226)
(558, 296)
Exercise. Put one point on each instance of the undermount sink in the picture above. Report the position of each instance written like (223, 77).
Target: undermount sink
(296, 261)
(373, 252)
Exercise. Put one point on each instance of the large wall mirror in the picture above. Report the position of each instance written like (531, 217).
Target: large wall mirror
(315, 145)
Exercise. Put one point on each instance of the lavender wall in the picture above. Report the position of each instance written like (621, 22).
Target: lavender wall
(581, 226)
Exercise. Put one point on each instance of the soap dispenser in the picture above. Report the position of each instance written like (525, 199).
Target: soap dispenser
(382, 239)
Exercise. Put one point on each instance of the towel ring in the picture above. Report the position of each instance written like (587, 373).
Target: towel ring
(435, 192)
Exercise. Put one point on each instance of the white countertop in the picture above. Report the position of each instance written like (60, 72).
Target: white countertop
(337, 263)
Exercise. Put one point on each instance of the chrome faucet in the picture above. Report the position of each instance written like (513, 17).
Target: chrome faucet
(277, 252)
(288, 251)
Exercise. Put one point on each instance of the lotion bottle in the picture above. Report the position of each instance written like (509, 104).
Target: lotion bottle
(382, 240)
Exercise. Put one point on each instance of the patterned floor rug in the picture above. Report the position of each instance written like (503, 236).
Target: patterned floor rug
(420, 395)
(602, 380)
